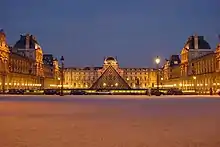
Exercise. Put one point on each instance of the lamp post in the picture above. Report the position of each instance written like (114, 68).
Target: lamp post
(157, 60)
(62, 76)
(161, 82)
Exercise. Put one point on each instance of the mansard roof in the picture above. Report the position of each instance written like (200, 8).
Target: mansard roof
(174, 60)
(202, 43)
(22, 42)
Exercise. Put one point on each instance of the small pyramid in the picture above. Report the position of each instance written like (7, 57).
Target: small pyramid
(110, 79)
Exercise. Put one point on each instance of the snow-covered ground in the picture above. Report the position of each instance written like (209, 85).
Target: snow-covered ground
(109, 121)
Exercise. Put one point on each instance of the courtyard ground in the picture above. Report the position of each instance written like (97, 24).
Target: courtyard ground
(109, 121)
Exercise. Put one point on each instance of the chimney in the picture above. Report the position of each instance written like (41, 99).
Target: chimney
(196, 41)
(27, 41)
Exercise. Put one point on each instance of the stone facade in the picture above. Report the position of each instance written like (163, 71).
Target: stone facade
(22, 67)
(109, 76)
(198, 70)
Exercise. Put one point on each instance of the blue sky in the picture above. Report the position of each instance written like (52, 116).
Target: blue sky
(84, 31)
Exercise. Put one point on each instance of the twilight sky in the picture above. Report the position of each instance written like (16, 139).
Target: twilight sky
(84, 31)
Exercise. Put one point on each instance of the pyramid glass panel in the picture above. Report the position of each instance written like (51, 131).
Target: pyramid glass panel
(110, 79)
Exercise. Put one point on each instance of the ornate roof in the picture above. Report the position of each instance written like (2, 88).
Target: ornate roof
(174, 60)
(22, 42)
(110, 58)
(2, 35)
(202, 43)
(48, 59)
(2, 32)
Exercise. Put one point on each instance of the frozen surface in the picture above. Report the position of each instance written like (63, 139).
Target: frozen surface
(109, 121)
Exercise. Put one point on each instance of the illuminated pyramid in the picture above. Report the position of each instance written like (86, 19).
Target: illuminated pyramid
(110, 79)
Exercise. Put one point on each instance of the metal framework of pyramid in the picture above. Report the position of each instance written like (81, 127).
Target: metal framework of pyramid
(110, 79)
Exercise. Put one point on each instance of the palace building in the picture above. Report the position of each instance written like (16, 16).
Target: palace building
(25, 66)
(197, 68)
(22, 66)
(110, 76)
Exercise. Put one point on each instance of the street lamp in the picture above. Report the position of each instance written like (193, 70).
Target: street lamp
(157, 60)
(62, 75)
(161, 82)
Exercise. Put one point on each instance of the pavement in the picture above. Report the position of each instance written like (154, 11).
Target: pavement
(109, 121)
